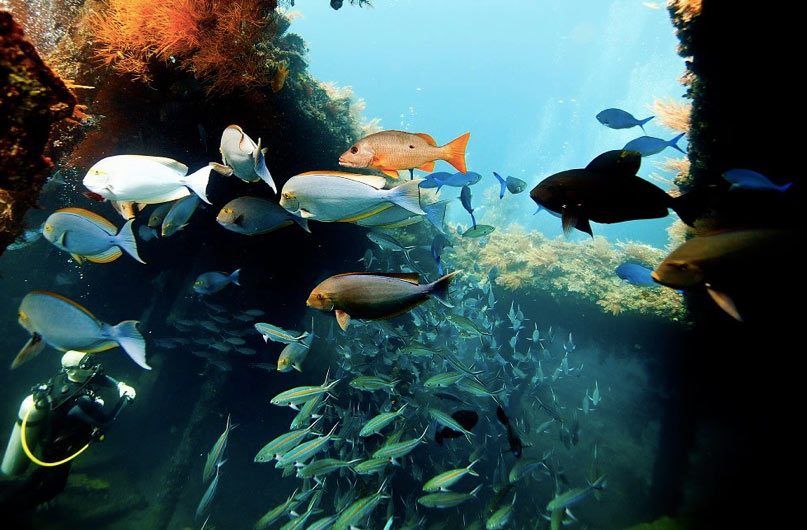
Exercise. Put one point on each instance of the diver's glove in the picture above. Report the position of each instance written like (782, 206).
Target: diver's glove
(126, 390)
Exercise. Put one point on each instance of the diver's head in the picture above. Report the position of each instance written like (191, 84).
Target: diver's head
(78, 366)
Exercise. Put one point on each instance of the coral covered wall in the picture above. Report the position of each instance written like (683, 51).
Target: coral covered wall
(32, 98)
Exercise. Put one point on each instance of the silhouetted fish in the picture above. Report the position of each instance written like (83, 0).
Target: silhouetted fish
(466, 418)
(512, 437)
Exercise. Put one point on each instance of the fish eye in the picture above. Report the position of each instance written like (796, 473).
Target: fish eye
(354, 149)
(411, 147)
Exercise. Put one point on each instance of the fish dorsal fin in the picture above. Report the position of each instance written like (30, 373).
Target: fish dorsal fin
(92, 216)
(167, 162)
(619, 163)
(410, 277)
(67, 300)
(375, 181)
(108, 256)
(429, 139)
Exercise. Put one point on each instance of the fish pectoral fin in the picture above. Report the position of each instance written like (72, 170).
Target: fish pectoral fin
(390, 172)
(725, 302)
(31, 349)
(343, 319)
(227, 171)
(572, 218)
(305, 214)
(428, 166)
(62, 239)
(78, 258)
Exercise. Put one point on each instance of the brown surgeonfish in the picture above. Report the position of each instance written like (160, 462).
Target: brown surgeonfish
(725, 262)
(607, 191)
(374, 296)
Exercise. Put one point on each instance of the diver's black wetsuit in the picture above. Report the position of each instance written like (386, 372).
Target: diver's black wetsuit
(79, 413)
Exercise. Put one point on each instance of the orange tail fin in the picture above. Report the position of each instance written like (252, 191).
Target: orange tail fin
(454, 152)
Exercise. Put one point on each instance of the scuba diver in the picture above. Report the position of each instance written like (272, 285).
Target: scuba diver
(62, 417)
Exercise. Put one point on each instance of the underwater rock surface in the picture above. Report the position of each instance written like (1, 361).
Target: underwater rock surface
(33, 98)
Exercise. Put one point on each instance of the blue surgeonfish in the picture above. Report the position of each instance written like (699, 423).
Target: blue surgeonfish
(144, 179)
(620, 119)
(745, 179)
(179, 215)
(335, 196)
(457, 180)
(87, 235)
(465, 199)
(244, 156)
(511, 184)
(64, 325)
(213, 282)
(636, 274)
(438, 244)
(648, 145)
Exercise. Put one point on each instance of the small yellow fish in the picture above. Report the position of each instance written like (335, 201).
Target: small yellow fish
(389, 151)
(279, 78)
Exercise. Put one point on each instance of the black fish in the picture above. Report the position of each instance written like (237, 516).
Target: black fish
(512, 437)
(608, 191)
(466, 418)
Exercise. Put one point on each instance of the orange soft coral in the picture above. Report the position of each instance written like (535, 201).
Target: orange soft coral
(214, 39)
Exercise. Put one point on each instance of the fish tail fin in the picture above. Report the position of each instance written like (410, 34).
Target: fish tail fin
(260, 166)
(439, 289)
(407, 196)
(132, 342)
(454, 152)
(689, 207)
(502, 183)
(234, 276)
(197, 182)
(674, 143)
(126, 240)
(436, 213)
(642, 122)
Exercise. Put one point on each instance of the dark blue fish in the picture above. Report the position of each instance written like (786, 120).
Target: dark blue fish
(745, 179)
(511, 184)
(213, 282)
(620, 119)
(457, 180)
(512, 437)
(465, 199)
(493, 273)
(466, 418)
(636, 274)
(648, 145)
(438, 244)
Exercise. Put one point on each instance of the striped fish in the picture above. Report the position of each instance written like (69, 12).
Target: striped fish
(217, 453)
(379, 422)
(301, 394)
(282, 444)
(399, 449)
(360, 510)
(444, 480)
(306, 450)
(447, 499)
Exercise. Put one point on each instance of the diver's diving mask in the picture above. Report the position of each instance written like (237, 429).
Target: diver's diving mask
(78, 366)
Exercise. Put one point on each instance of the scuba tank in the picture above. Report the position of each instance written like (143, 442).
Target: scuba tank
(15, 461)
